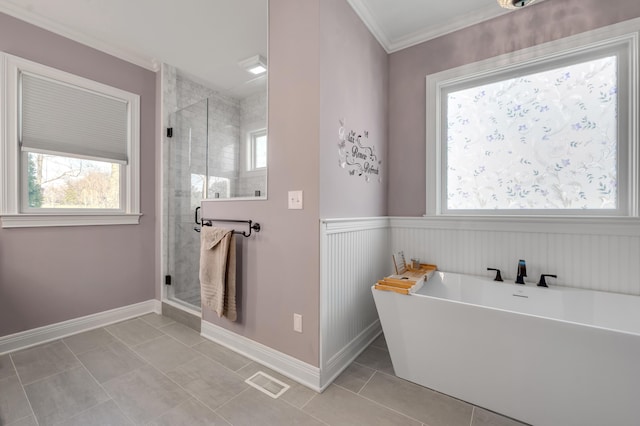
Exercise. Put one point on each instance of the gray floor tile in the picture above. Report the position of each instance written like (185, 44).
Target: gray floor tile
(190, 413)
(337, 406)
(110, 361)
(134, 332)
(417, 402)
(184, 334)
(208, 381)
(483, 417)
(165, 353)
(6, 367)
(376, 358)
(156, 320)
(64, 395)
(43, 361)
(27, 421)
(297, 395)
(93, 339)
(354, 377)
(252, 408)
(224, 356)
(145, 393)
(104, 414)
(13, 402)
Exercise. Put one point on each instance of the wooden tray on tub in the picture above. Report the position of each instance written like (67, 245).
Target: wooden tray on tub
(402, 283)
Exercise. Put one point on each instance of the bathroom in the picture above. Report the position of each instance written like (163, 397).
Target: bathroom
(83, 271)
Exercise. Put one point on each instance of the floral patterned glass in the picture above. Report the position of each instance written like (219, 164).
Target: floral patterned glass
(542, 141)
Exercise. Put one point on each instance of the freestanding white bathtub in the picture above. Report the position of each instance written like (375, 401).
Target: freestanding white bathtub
(552, 356)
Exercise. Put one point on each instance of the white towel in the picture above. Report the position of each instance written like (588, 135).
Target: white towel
(218, 271)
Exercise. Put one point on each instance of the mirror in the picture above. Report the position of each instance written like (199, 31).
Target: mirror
(237, 146)
(218, 146)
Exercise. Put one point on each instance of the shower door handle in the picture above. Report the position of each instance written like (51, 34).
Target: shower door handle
(198, 226)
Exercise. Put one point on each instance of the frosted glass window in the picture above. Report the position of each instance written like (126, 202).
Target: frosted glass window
(546, 140)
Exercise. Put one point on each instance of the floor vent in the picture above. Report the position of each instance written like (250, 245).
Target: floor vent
(267, 384)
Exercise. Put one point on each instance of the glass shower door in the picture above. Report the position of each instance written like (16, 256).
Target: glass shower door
(187, 186)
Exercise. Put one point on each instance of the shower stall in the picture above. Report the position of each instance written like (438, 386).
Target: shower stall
(207, 155)
(187, 169)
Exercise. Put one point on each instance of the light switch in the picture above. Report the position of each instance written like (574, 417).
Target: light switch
(295, 200)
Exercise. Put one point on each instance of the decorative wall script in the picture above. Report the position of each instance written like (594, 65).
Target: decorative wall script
(356, 155)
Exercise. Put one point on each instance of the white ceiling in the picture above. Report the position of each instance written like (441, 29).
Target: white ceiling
(206, 38)
(398, 24)
(203, 38)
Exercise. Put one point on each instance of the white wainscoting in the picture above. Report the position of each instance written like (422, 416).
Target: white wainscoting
(354, 254)
(594, 254)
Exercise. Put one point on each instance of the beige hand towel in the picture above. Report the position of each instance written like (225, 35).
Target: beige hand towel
(218, 270)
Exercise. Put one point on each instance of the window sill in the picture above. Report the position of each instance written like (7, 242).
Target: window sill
(45, 220)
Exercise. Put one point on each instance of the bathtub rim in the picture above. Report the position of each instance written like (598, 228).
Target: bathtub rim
(531, 287)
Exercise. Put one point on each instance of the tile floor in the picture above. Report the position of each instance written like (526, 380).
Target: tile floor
(154, 371)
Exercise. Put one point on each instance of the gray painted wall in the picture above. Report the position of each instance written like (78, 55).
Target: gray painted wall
(543, 22)
(280, 265)
(48, 275)
(354, 86)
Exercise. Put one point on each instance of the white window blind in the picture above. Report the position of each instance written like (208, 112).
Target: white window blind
(58, 118)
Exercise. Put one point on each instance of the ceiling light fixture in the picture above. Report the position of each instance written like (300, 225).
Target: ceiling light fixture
(515, 4)
(255, 65)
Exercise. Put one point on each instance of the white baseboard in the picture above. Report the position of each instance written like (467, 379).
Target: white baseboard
(47, 333)
(341, 360)
(303, 373)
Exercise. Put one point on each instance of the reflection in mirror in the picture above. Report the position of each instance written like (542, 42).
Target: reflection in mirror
(221, 140)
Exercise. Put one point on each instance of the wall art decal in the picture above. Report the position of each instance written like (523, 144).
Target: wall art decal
(356, 155)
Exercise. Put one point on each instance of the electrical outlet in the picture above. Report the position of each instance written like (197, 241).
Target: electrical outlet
(295, 200)
(297, 323)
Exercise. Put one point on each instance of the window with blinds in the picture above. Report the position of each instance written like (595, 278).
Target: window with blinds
(72, 145)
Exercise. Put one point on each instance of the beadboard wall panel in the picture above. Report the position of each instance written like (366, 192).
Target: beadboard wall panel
(354, 255)
(606, 258)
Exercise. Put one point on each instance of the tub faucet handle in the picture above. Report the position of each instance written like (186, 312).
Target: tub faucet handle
(498, 276)
(543, 282)
(522, 272)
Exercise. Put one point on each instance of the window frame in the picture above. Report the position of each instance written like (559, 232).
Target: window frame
(13, 210)
(251, 149)
(619, 38)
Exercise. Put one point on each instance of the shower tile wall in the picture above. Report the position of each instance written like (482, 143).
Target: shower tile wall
(185, 170)
(224, 145)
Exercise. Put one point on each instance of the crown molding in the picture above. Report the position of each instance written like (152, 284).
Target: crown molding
(362, 10)
(135, 58)
(462, 21)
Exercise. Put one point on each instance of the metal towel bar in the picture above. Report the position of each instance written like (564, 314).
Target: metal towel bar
(253, 226)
